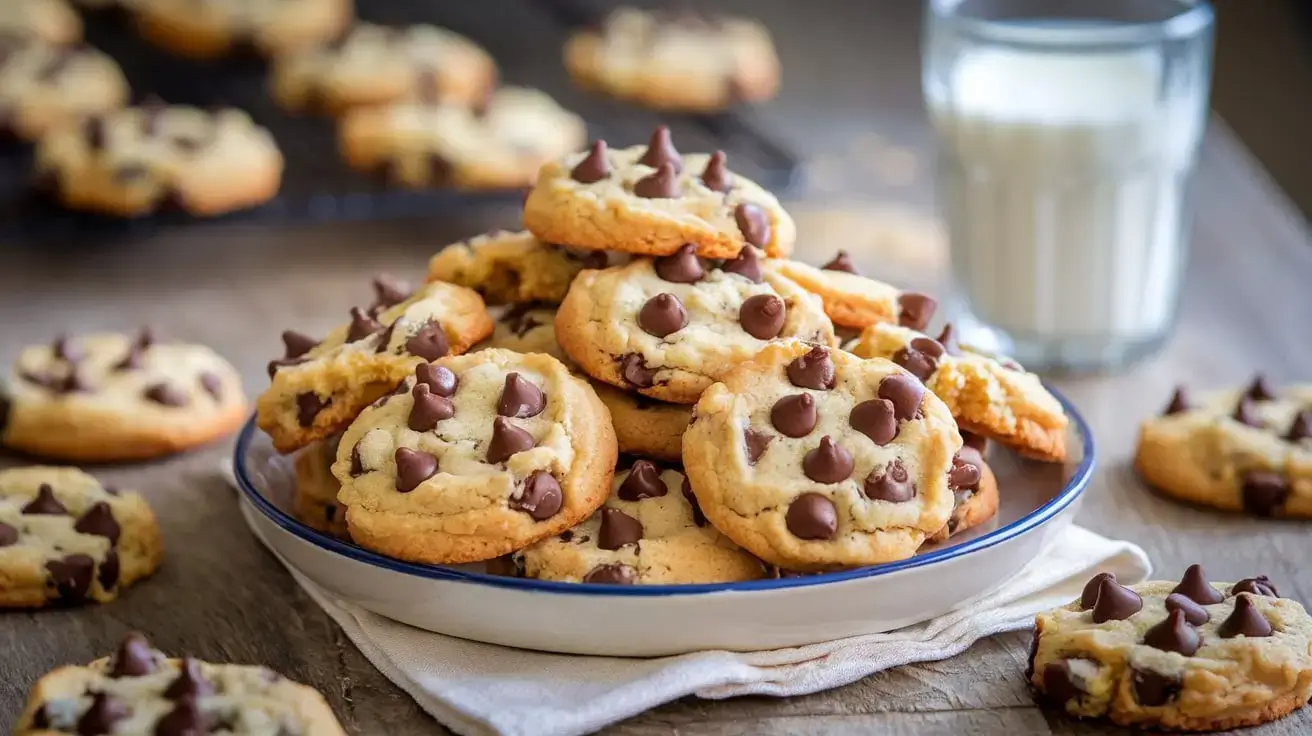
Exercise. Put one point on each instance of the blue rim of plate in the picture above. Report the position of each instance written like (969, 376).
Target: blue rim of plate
(1078, 482)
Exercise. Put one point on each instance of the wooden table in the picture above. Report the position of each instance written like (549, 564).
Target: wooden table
(220, 596)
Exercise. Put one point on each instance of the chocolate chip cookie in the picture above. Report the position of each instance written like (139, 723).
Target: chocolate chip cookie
(111, 397)
(52, 21)
(474, 457)
(217, 28)
(990, 396)
(139, 690)
(854, 301)
(45, 86)
(652, 200)
(319, 386)
(526, 328)
(1239, 450)
(669, 327)
(499, 145)
(649, 532)
(515, 267)
(137, 160)
(66, 539)
(814, 459)
(377, 65)
(646, 427)
(315, 502)
(681, 60)
(1187, 656)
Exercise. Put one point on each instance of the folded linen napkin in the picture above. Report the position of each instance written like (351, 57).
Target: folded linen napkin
(476, 689)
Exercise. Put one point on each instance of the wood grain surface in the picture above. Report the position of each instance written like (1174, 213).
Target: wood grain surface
(220, 596)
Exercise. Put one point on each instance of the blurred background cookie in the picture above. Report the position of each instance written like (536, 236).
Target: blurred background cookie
(218, 27)
(45, 86)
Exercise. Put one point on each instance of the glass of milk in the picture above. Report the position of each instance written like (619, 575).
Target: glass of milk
(1067, 132)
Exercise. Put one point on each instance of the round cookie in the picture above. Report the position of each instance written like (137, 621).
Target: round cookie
(1241, 450)
(675, 61)
(377, 65)
(652, 200)
(474, 457)
(320, 386)
(217, 28)
(110, 397)
(315, 503)
(501, 145)
(1187, 656)
(43, 87)
(645, 427)
(515, 267)
(527, 328)
(139, 690)
(854, 301)
(52, 21)
(649, 532)
(669, 327)
(137, 160)
(990, 396)
(813, 459)
(66, 539)
(974, 494)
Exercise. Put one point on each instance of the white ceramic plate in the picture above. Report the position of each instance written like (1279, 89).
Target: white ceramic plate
(1038, 501)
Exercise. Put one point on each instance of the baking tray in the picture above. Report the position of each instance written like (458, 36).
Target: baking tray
(525, 37)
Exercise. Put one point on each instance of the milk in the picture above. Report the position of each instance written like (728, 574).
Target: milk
(1063, 180)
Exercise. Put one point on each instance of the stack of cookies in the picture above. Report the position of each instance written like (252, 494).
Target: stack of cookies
(655, 394)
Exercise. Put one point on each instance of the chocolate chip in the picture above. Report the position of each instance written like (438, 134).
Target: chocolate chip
(439, 378)
(842, 261)
(41, 718)
(643, 481)
(811, 516)
(948, 339)
(1244, 413)
(815, 369)
(308, 406)
(93, 130)
(875, 419)
(747, 264)
(755, 443)
(1260, 585)
(109, 569)
(618, 529)
(1264, 492)
(519, 319)
(1301, 428)
(507, 439)
(1091, 588)
(680, 267)
(413, 467)
(905, 393)
(212, 385)
(963, 474)
(429, 342)
(388, 292)
(1174, 634)
(1059, 684)
(190, 682)
(134, 657)
(1193, 613)
(698, 517)
(99, 520)
(920, 357)
(274, 365)
(184, 720)
(663, 184)
(66, 349)
(131, 360)
(357, 464)
(1194, 585)
(1179, 402)
(594, 167)
(1115, 602)
(72, 382)
(297, 344)
(795, 415)
(362, 325)
(541, 496)
(45, 503)
(1153, 689)
(8, 535)
(753, 223)
(165, 394)
(613, 574)
(915, 310)
(715, 176)
(71, 577)
(662, 315)
(660, 151)
(105, 711)
(428, 409)
(1245, 620)
(520, 398)
(828, 463)
(892, 483)
(634, 369)
(1259, 389)
(762, 316)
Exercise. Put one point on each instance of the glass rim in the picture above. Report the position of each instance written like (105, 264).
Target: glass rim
(1194, 17)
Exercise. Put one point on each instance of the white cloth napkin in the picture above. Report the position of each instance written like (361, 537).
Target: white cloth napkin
(476, 689)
